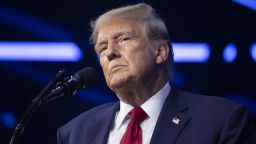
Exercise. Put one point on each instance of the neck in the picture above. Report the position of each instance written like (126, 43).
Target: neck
(137, 93)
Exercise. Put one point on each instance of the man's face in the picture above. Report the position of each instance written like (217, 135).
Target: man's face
(125, 52)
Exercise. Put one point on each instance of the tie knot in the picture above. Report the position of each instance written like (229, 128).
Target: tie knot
(138, 114)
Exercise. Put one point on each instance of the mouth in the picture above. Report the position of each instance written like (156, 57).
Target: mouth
(115, 68)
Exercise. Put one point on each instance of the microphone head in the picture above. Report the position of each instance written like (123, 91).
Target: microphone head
(88, 76)
(70, 85)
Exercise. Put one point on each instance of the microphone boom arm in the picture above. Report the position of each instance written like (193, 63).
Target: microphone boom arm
(35, 104)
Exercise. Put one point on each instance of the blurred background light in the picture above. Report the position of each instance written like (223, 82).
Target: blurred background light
(8, 119)
(253, 52)
(229, 53)
(68, 51)
(251, 4)
(191, 52)
(249, 103)
(38, 27)
(40, 51)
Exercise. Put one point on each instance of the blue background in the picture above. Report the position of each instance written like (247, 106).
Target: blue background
(215, 22)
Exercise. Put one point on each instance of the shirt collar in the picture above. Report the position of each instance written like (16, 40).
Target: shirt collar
(123, 112)
(152, 106)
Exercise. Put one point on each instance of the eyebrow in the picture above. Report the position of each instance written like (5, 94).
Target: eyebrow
(114, 37)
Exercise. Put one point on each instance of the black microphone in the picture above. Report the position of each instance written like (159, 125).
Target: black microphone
(70, 85)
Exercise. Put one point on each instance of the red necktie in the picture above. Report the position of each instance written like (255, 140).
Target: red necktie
(133, 134)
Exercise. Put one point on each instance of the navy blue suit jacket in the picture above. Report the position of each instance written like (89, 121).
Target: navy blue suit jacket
(203, 120)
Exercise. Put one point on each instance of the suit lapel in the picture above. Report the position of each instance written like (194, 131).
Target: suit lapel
(172, 119)
(103, 125)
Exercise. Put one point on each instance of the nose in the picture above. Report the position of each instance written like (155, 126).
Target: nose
(112, 52)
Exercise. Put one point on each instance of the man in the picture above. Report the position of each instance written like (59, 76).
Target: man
(132, 45)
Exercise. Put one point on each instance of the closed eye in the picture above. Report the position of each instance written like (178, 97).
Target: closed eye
(124, 38)
(101, 49)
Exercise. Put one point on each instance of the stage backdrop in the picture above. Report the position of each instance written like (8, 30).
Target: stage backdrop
(214, 47)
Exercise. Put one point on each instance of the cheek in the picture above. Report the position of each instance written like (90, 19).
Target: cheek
(136, 62)
(144, 61)
(104, 66)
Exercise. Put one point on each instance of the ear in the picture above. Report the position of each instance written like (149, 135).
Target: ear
(162, 52)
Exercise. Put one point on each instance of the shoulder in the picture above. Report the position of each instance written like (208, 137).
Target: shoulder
(211, 107)
(224, 119)
(90, 115)
(205, 101)
(87, 124)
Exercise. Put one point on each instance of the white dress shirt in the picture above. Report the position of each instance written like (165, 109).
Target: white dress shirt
(152, 107)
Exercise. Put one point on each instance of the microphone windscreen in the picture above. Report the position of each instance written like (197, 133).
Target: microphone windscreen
(88, 75)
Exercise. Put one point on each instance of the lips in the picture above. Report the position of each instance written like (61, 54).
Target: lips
(115, 67)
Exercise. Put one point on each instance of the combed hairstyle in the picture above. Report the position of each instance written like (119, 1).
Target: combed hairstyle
(155, 27)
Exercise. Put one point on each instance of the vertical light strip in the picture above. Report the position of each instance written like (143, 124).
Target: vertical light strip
(191, 52)
(39, 51)
(253, 52)
(229, 53)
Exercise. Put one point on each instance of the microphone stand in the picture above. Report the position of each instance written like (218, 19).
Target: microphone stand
(35, 104)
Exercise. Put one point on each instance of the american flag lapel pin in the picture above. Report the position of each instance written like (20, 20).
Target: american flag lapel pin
(176, 120)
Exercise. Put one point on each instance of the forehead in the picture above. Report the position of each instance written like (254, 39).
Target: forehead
(116, 26)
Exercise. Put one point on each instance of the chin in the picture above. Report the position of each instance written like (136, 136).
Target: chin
(115, 86)
(118, 84)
